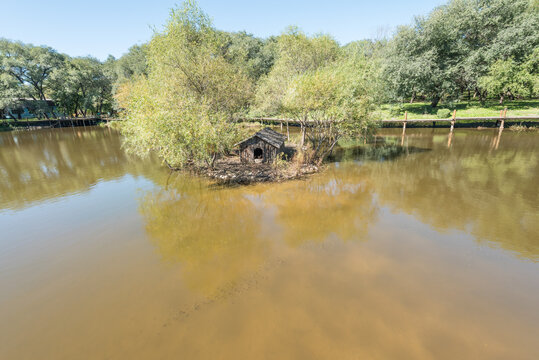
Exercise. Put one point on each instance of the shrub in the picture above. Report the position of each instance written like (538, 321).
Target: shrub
(396, 110)
(280, 162)
(443, 114)
(184, 109)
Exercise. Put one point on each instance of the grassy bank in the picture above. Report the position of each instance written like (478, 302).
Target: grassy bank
(464, 109)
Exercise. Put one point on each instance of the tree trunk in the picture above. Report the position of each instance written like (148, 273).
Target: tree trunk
(501, 98)
(435, 101)
(413, 98)
(328, 152)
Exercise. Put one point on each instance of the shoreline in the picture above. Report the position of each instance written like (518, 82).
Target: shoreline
(230, 171)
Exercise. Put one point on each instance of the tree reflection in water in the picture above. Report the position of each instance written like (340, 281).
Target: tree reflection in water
(375, 256)
(214, 232)
(222, 234)
(490, 194)
(45, 164)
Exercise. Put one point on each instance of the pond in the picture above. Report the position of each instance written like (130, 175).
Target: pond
(417, 251)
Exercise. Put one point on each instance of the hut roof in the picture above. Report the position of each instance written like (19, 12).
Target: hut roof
(268, 135)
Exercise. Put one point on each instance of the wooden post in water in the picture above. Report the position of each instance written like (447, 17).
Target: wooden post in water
(453, 120)
(404, 127)
(503, 115)
(404, 123)
(281, 126)
(287, 130)
(449, 140)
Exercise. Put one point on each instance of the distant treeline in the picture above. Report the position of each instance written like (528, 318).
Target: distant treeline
(462, 50)
(31, 76)
(467, 48)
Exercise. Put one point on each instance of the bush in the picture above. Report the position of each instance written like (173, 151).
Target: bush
(443, 114)
(184, 108)
(396, 110)
(280, 162)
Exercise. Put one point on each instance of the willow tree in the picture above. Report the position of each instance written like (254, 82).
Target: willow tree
(183, 108)
(332, 103)
(296, 54)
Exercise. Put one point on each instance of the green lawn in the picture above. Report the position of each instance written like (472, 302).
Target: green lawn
(464, 109)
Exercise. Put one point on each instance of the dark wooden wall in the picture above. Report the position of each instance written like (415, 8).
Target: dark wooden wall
(247, 150)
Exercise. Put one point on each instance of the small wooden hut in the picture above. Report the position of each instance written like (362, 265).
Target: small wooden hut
(264, 146)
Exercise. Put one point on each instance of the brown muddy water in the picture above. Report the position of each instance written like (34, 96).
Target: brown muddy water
(413, 252)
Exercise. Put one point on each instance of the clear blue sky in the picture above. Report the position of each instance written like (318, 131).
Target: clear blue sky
(102, 27)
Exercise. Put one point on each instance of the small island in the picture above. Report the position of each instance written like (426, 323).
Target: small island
(262, 157)
(189, 106)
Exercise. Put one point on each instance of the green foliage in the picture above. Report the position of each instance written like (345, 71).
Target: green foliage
(280, 162)
(508, 78)
(445, 54)
(185, 132)
(396, 110)
(371, 54)
(443, 113)
(502, 78)
(253, 55)
(529, 73)
(131, 64)
(331, 103)
(82, 85)
(25, 72)
(183, 109)
(190, 55)
(29, 75)
(296, 54)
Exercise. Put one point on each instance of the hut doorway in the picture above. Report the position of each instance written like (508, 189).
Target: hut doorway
(258, 154)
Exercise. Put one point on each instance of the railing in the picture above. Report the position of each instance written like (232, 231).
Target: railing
(58, 122)
(499, 119)
(503, 116)
(488, 118)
